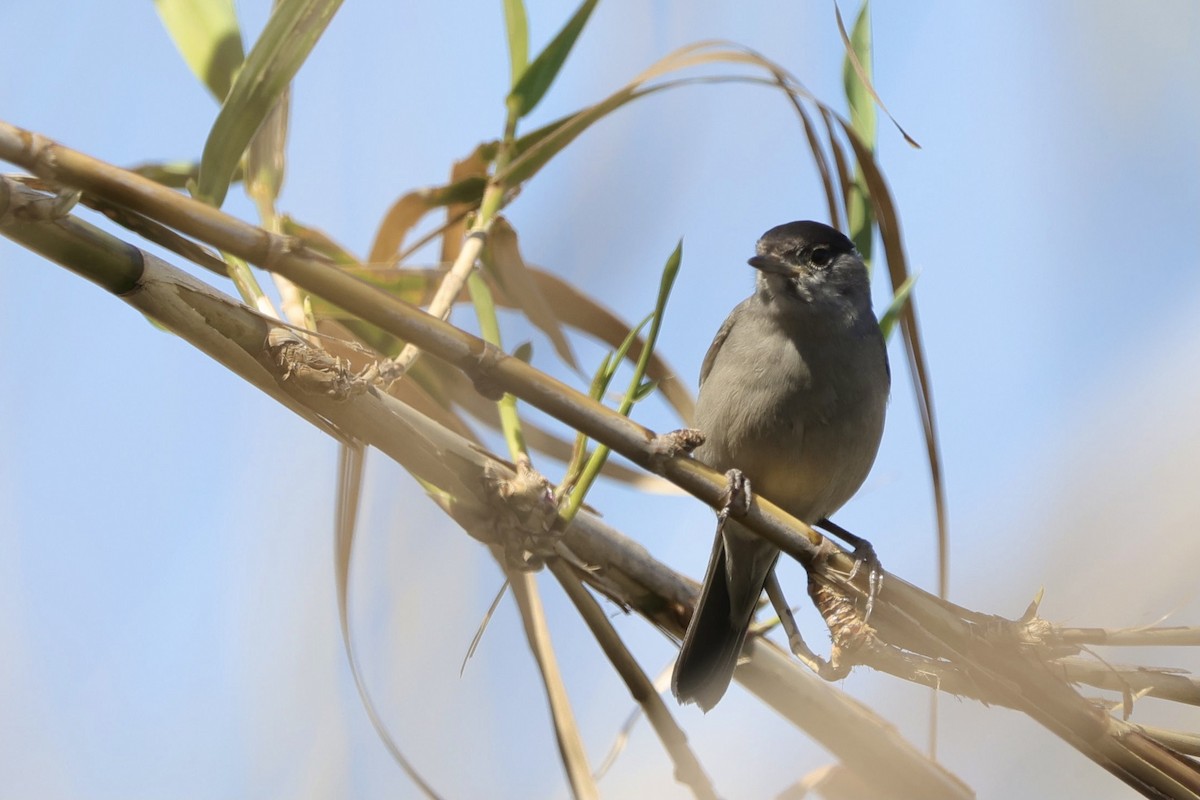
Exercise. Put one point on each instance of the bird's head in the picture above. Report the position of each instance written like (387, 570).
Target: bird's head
(813, 263)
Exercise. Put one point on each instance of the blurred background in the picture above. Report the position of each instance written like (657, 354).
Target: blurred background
(168, 621)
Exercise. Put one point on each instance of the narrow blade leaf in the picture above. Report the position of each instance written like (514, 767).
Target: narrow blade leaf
(887, 323)
(538, 76)
(207, 35)
(864, 74)
(288, 38)
(517, 27)
(856, 79)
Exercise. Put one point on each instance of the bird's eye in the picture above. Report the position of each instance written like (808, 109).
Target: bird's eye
(820, 256)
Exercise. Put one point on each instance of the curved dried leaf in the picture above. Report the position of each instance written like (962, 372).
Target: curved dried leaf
(887, 322)
(503, 255)
(265, 158)
(289, 36)
(537, 633)
(814, 144)
(893, 247)
(399, 220)
(350, 469)
(483, 624)
(845, 178)
(534, 150)
(349, 494)
(409, 209)
(553, 138)
(661, 684)
(207, 35)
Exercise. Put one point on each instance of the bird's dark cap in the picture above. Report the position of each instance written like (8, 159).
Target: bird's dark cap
(805, 232)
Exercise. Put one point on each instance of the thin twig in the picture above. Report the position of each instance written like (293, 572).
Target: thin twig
(443, 301)
(524, 589)
(687, 767)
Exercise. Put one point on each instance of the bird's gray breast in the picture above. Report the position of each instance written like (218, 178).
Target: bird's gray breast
(796, 404)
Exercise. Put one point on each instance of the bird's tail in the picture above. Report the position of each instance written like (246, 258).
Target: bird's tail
(714, 639)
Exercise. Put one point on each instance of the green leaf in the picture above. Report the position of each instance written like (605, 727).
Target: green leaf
(517, 28)
(669, 273)
(856, 78)
(288, 38)
(538, 76)
(535, 136)
(611, 364)
(581, 484)
(858, 92)
(645, 390)
(887, 323)
(206, 34)
(604, 373)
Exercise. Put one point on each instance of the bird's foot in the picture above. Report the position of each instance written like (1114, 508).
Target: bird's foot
(849, 632)
(864, 556)
(682, 442)
(737, 496)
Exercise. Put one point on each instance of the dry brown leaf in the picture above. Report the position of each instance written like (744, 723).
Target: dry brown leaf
(473, 166)
(503, 255)
(399, 220)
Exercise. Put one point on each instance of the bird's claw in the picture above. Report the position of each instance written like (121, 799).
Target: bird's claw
(864, 555)
(737, 495)
(672, 444)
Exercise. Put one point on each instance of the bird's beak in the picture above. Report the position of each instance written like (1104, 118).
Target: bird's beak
(772, 264)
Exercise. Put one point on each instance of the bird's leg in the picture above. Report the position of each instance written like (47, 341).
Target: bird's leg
(848, 629)
(864, 554)
(800, 649)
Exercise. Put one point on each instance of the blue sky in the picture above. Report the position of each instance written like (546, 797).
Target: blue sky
(167, 607)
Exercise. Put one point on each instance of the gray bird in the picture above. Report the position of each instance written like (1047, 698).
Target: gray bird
(793, 393)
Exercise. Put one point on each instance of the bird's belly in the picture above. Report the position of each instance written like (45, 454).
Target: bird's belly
(812, 479)
(808, 463)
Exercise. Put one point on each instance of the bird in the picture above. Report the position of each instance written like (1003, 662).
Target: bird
(793, 395)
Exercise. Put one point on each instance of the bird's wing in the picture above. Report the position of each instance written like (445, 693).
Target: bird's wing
(717, 341)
